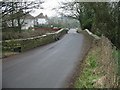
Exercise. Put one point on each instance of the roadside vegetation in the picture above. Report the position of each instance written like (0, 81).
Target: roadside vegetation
(15, 46)
(102, 64)
(16, 39)
(101, 18)
(118, 51)
(100, 67)
(23, 34)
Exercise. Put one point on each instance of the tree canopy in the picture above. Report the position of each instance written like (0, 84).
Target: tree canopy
(102, 18)
(13, 13)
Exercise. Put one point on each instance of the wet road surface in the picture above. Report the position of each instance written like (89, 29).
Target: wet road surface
(46, 66)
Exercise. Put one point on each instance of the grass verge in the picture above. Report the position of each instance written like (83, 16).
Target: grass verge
(118, 66)
(8, 53)
(100, 67)
(87, 77)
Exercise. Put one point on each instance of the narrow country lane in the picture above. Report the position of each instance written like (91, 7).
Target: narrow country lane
(46, 66)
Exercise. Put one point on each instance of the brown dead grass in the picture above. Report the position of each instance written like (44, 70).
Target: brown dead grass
(104, 75)
(107, 65)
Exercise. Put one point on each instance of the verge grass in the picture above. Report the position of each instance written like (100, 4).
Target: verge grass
(88, 76)
(101, 67)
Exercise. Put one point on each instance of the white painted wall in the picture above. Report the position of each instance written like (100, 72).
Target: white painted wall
(42, 21)
(28, 23)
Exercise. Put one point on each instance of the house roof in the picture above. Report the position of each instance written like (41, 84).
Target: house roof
(41, 16)
(28, 16)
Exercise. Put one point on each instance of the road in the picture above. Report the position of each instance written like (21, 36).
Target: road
(44, 67)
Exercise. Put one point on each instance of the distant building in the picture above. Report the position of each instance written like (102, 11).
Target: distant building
(41, 19)
(30, 21)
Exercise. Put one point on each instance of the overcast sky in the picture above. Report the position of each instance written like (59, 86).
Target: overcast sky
(48, 5)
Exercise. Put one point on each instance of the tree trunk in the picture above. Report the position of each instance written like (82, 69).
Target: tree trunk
(19, 25)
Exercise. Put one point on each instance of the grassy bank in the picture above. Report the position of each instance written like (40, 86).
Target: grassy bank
(100, 67)
(87, 77)
(119, 66)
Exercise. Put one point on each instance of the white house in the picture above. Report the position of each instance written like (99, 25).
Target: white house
(41, 19)
(30, 21)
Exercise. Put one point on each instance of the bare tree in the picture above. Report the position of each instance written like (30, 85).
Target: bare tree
(12, 11)
(78, 11)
